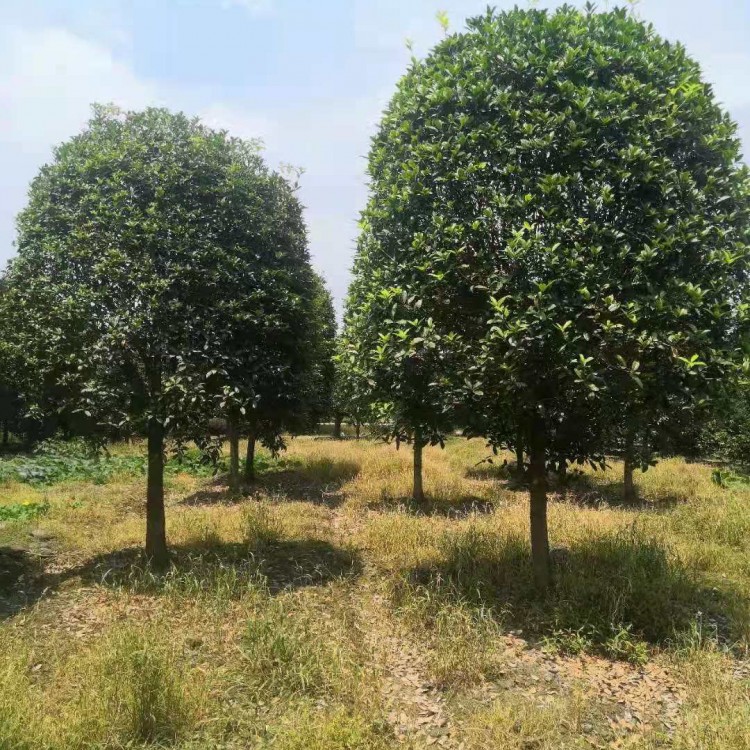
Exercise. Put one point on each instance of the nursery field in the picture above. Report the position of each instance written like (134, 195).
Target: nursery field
(321, 609)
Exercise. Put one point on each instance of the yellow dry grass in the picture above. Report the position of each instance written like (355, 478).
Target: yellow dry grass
(288, 613)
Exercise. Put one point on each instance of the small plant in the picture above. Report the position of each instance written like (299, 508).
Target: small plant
(623, 645)
(567, 641)
(26, 511)
(260, 528)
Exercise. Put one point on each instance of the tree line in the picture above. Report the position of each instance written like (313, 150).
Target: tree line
(553, 257)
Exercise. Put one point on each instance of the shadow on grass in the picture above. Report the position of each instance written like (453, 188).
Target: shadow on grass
(222, 570)
(318, 481)
(585, 491)
(624, 586)
(462, 507)
(19, 571)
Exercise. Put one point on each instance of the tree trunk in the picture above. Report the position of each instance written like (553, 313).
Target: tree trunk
(418, 490)
(629, 493)
(250, 458)
(156, 534)
(538, 510)
(357, 429)
(337, 420)
(234, 455)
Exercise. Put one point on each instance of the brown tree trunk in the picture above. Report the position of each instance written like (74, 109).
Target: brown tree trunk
(156, 533)
(234, 455)
(538, 506)
(357, 429)
(418, 490)
(250, 458)
(337, 420)
(629, 493)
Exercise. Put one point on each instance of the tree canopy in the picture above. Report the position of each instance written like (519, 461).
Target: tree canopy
(156, 258)
(559, 211)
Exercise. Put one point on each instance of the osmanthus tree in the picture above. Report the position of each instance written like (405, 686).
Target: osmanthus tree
(395, 358)
(351, 391)
(561, 190)
(282, 381)
(273, 383)
(322, 347)
(10, 401)
(144, 244)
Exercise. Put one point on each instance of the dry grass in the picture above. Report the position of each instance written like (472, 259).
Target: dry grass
(265, 633)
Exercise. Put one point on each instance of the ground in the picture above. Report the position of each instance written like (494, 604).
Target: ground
(323, 610)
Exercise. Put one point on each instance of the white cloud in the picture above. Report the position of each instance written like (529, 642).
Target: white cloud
(254, 7)
(239, 122)
(48, 80)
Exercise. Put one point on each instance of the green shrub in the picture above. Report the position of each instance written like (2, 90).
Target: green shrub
(27, 511)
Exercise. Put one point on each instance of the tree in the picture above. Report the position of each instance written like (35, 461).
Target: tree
(561, 191)
(268, 377)
(395, 358)
(277, 384)
(141, 247)
(351, 400)
(322, 343)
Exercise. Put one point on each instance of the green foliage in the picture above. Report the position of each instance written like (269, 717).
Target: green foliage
(556, 242)
(26, 511)
(577, 213)
(157, 261)
(53, 468)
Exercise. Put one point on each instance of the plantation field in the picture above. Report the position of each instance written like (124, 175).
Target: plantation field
(323, 610)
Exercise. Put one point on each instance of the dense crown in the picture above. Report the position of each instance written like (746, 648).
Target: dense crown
(558, 209)
(155, 257)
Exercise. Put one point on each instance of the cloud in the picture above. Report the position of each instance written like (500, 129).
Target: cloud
(239, 122)
(254, 7)
(49, 77)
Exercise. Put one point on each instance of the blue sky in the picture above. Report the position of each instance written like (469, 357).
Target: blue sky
(309, 77)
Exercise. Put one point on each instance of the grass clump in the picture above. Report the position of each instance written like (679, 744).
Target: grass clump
(135, 693)
(520, 723)
(333, 730)
(285, 653)
(128, 691)
(22, 722)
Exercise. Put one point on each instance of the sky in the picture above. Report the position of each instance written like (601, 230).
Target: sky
(308, 77)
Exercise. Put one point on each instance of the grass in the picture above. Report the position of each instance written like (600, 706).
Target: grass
(325, 610)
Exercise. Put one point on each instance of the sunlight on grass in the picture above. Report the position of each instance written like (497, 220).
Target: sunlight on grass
(262, 632)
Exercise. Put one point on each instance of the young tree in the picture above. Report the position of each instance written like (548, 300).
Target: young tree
(395, 358)
(561, 190)
(142, 245)
(350, 390)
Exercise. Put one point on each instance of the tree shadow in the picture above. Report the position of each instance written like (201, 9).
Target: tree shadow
(504, 472)
(318, 481)
(622, 587)
(19, 572)
(467, 505)
(585, 491)
(226, 570)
